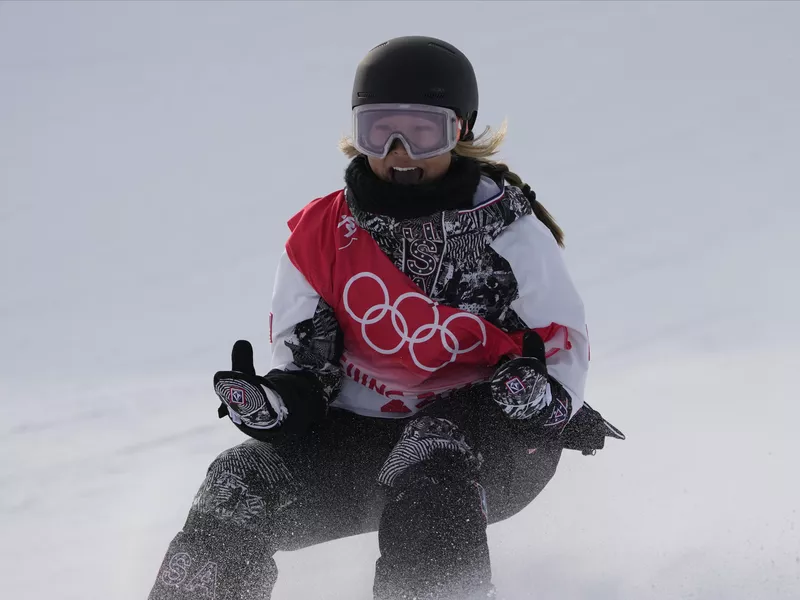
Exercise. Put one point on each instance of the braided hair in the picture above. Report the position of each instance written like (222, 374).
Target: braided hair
(500, 171)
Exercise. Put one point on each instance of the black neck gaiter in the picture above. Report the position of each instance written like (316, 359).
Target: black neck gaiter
(453, 191)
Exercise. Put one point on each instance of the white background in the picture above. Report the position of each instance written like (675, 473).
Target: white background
(151, 153)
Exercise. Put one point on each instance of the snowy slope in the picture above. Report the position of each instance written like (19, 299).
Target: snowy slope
(150, 154)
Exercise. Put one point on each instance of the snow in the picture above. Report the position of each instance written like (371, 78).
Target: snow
(151, 153)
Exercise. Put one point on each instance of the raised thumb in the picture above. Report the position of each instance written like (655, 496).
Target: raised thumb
(242, 357)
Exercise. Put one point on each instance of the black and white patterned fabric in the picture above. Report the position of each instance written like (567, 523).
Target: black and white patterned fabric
(248, 401)
(421, 440)
(521, 390)
(316, 345)
(524, 391)
(245, 484)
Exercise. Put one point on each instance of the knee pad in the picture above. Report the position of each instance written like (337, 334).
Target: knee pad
(245, 485)
(431, 447)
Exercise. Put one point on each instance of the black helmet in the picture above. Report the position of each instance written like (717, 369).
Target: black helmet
(418, 70)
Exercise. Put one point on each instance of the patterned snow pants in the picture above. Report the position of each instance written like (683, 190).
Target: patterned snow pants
(429, 485)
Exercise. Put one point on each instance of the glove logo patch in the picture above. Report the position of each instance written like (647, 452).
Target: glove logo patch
(515, 385)
(560, 414)
(248, 403)
(236, 396)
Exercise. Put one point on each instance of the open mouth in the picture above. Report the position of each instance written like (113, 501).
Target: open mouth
(405, 175)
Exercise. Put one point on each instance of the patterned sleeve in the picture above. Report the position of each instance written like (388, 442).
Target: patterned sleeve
(304, 332)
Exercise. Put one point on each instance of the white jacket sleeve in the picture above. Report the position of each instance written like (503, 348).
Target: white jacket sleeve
(548, 301)
(304, 332)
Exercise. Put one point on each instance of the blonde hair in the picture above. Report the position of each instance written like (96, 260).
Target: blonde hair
(481, 148)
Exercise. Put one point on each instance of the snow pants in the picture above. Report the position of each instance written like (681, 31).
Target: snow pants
(429, 485)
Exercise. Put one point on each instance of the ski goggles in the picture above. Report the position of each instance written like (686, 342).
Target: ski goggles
(425, 131)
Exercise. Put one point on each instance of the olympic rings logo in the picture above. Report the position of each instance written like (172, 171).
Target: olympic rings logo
(422, 334)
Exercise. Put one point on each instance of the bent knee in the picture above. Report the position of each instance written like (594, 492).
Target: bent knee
(245, 484)
(253, 461)
(431, 444)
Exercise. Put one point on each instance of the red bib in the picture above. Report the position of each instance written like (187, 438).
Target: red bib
(388, 322)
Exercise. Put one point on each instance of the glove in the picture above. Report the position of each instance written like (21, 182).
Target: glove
(525, 391)
(248, 398)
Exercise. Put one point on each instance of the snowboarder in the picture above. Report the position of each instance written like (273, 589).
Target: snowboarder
(429, 356)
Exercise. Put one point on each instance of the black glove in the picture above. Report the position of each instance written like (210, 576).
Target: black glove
(262, 406)
(248, 398)
(525, 391)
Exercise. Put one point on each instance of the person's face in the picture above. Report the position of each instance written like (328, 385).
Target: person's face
(398, 166)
